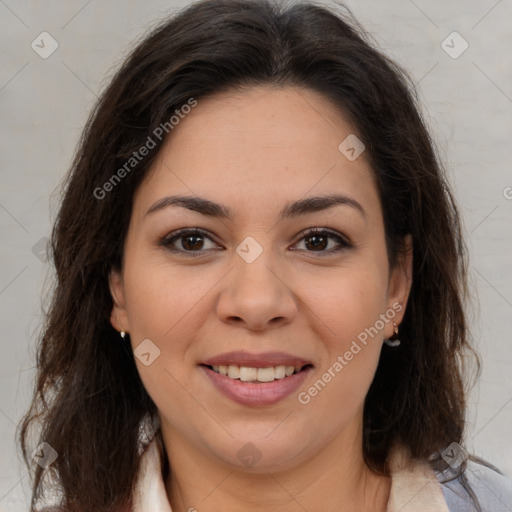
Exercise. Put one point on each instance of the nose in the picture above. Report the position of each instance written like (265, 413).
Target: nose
(256, 295)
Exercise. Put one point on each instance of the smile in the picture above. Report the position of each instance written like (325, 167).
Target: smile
(248, 374)
(256, 386)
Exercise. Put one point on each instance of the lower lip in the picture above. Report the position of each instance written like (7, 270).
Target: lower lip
(252, 393)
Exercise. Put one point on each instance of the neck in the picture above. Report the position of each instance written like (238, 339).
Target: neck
(334, 479)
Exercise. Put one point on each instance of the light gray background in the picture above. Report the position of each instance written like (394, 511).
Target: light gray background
(44, 104)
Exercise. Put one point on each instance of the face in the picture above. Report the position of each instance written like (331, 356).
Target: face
(256, 284)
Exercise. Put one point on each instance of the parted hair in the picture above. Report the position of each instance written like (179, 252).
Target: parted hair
(89, 401)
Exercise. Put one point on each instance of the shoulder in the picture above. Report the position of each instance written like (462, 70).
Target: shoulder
(480, 488)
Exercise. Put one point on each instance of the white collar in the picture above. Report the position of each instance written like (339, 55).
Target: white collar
(414, 486)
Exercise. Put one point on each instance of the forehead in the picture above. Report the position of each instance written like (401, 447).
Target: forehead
(262, 146)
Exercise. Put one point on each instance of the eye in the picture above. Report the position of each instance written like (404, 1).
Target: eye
(190, 240)
(317, 239)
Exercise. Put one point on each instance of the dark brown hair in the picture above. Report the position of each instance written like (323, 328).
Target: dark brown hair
(89, 400)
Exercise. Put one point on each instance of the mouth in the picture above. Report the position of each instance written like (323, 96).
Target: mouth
(258, 375)
(257, 386)
(256, 379)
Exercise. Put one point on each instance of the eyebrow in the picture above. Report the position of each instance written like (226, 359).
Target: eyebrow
(292, 209)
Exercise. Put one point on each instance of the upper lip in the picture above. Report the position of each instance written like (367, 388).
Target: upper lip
(263, 360)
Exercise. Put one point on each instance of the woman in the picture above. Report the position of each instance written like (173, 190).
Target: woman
(260, 284)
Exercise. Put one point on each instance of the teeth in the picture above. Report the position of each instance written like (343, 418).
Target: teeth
(247, 374)
(279, 372)
(233, 371)
(265, 374)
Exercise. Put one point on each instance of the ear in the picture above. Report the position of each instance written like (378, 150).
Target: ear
(400, 283)
(119, 315)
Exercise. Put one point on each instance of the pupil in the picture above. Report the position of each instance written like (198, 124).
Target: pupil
(318, 244)
(193, 245)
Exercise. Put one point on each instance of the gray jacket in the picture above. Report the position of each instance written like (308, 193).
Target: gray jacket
(481, 488)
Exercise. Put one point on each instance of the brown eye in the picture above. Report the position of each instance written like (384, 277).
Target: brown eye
(192, 242)
(317, 240)
(187, 241)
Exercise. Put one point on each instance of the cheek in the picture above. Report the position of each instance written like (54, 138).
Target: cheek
(344, 377)
(162, 303)
(348, 310)
(162, 296)
(347, 301)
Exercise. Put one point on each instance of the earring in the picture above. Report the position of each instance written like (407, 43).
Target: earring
(123, 334)
(393, 343)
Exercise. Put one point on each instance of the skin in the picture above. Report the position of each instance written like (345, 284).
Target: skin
(253, 152)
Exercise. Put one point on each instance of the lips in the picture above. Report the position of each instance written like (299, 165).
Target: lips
(263, 360)
(256, 379)
(256, 393)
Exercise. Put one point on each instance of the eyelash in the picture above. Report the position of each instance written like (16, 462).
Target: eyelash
(168, 240)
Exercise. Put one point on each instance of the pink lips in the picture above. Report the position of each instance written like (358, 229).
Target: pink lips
(256, 393)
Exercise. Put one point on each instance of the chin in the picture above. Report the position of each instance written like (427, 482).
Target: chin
(260, 454)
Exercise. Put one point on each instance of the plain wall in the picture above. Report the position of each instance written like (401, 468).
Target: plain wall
(44, 104)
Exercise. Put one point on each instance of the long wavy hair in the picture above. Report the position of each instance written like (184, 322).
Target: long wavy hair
(89, 401)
